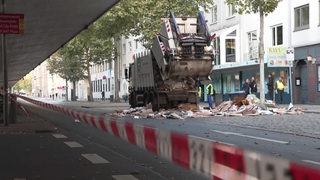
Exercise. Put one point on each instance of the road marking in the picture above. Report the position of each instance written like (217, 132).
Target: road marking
(20, 179)
(124, 177)
(206, 139)
(312, 162)
(95, 159)
(73, 144)
(59, 136)
(248, 136)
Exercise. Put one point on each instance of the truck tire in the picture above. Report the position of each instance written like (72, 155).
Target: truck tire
(132, 100)
(155, 104)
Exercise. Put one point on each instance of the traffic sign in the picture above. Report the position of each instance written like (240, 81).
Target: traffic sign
(11, 23)
(290, 54)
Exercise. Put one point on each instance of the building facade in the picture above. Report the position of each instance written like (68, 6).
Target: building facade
(103, 77)
(293, 25)
(46, 85)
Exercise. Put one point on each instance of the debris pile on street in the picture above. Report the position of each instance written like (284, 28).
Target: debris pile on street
(239, 106)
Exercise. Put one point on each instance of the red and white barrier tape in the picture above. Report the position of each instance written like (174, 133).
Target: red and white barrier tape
(211, 159)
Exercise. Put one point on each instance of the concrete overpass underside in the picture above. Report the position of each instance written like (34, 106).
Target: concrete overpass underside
(48, 25)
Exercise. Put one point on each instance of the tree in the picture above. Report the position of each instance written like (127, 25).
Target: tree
(129, 17)
(263, 7)
(68, 68)
(83, 51)
(24, 84)
(141, 19)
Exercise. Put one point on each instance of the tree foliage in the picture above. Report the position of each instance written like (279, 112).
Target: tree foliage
(254, 6)
(263, 8)
(24, 84)
(143, 18)
(129, 17)
(68, 68)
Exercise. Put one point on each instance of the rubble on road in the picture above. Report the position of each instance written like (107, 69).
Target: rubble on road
(239, 106)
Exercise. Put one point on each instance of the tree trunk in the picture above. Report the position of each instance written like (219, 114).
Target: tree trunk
(261, 57)
(74, 91)
(66, 89)
(116, 71)
(90, 94)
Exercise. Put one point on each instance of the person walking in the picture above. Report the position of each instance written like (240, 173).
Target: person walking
(210, 93)
(246, 87)
(199, 93)
(253, 86)
(280, 89)
(270, 87)
(102, 95)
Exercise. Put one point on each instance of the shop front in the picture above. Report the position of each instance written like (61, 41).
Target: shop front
(306, 75)
(228, 81)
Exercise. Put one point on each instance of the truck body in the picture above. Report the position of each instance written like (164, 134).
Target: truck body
(166, 75)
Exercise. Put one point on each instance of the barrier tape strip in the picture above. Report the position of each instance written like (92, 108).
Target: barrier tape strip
(211, 159)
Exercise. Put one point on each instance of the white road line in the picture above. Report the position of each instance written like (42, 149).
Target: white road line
(312, 162)
(248, 136)
(124, 177)
(59, 136)
(95, 159)
(73, 144)
(206, 139)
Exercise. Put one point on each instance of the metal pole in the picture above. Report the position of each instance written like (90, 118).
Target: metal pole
(5, 72)
(291, 90)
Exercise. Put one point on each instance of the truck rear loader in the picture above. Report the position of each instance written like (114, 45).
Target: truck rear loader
(180, 56)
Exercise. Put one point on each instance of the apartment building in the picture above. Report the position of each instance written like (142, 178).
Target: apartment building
(46, 85)
(294, 25)
(103, 77)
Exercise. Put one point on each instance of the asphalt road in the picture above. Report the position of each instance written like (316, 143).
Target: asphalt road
(77, 151)
(293, 137)
(73, 156)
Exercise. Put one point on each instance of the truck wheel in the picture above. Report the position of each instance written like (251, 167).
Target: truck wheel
(132, 100)
(155, 105)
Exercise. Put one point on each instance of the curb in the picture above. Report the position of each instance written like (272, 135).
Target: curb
(311, 111)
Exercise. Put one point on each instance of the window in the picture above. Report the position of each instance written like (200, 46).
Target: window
(214, 14)
(301, 17)
(123, 48)
(228, 84)
(277, 35)
(130, 46)
(318, 78)
(231, 10)
(236, 82)
(252, 36)
(137, 43)
(230, 50)
(216, 43)
(109, 84)
(100, 85)
(253, 45)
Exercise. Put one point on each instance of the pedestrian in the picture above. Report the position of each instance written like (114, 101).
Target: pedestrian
(102, 95)
(246, 87)
(210, 93)
(270, 87)
(253, 86)
(199, 93)
(56, 95)
(280, 89)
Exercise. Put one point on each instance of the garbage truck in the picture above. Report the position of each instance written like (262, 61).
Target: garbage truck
(166, 75)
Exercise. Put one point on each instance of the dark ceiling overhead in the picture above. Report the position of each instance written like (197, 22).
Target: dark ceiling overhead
(48, 25)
